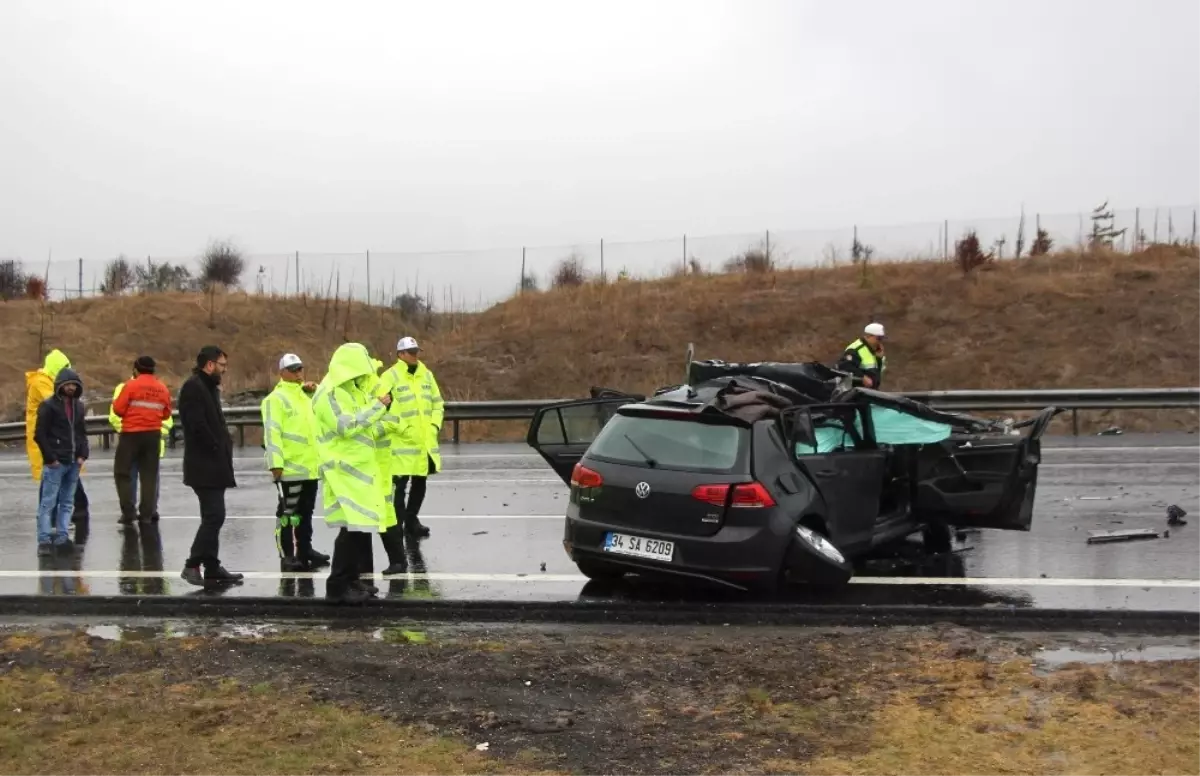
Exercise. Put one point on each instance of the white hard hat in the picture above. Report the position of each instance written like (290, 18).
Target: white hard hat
(875, 330)
(289, 360)
(407, 343)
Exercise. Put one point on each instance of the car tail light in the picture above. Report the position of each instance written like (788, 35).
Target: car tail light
(745, 494)
(585, 477)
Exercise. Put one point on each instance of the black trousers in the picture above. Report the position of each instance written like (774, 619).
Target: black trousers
(206, 547)
(141, 448)
(293, 527)
(408, 511)
(349, 550)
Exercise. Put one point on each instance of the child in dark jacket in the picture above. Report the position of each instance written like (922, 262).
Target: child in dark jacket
(61, 435)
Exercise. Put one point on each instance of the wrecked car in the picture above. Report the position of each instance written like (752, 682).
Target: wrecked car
(758, 475)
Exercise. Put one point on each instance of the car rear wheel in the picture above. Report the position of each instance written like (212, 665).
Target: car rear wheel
(600, 572)
(813, 559)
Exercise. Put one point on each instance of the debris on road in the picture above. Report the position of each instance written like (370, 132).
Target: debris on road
(1121, 535)
(1175, 516)
(1111, 431)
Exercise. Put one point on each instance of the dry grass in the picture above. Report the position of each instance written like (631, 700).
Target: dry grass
(970, 717)
(1066, 320)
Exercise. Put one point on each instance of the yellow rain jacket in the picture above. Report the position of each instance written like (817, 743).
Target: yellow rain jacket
(347, 411)
(383, 431)
(114, 420)
(289, 432)
(39, 386)
(418, 403)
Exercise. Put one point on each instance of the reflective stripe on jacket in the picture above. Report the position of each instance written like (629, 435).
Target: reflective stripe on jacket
(289, 432)
(114, 420)
(419, 410)
(143, 405)
(345, 411)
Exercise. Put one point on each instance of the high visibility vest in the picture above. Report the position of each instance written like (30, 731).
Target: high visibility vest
(289, 432)
(867, 358)
(114, 420)
(346, 411)
(420, 410)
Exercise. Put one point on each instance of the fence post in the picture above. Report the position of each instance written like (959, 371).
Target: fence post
(455, 422)
(1075, 422)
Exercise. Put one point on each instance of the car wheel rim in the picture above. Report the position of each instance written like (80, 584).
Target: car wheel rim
(820, 543)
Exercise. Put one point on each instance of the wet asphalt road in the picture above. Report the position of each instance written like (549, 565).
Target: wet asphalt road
(495, 515)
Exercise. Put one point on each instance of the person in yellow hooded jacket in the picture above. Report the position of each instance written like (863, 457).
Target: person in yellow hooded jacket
(347, 406)
(39, 386)
(388, 427)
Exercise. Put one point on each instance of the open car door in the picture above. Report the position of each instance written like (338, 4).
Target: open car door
(983, 482)
(562, 433)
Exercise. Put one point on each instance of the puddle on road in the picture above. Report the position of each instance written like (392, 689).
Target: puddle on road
(122, 632)
(1051, 659)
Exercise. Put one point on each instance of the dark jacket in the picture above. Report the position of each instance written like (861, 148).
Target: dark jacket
(207, 443)
(61, 428)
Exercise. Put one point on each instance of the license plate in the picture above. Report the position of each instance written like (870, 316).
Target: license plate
(623, 544)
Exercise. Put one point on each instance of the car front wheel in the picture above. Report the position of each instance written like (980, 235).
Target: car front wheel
(812, 558)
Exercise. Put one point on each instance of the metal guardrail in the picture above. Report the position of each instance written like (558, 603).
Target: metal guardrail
(964, 401)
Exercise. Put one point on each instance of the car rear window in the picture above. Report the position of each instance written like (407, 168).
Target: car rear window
(673, 444)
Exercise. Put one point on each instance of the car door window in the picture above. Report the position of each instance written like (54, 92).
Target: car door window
(835, 429)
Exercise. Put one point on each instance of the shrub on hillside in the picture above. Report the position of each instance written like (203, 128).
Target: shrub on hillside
(222, 264)
(1041, 246)
(159, 278)
(754, 260)
(968, 254)
(411, 305)
(569, 272)
(36, 288)
(529, 282)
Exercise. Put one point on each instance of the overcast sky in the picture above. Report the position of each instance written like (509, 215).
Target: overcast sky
(149, 127)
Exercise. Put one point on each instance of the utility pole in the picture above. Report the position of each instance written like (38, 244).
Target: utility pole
(81, 277)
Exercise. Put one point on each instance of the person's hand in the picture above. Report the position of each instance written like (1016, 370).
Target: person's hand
(386, 400)
(79, 461)
(309, 386)
(868, 382)
(277, 474)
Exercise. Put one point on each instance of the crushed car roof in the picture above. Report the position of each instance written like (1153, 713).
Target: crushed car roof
(754, 391)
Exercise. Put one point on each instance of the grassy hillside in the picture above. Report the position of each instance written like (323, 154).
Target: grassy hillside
(1065, 320)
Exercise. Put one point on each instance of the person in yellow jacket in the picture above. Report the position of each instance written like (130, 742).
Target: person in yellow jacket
(415, 451)
(114, 420)
(39, 386)
(347, 405)
(290, 440)
(388, 427)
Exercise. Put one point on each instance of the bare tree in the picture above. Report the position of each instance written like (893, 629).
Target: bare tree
(118, 276)
(12, 280)
(569, 272)
(222, 264)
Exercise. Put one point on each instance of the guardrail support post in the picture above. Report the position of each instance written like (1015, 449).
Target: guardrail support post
(241, 435)
(107, 440)
(1075, 422)
(455, 422)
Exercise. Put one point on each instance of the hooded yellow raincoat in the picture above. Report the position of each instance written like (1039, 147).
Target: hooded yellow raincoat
(382, 432)
(39, 386)
(348, 415)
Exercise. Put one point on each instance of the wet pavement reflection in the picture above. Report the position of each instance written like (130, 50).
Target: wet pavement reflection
(496, 520)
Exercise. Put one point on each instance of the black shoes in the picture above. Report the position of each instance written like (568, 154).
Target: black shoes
(347, 595)
(414, 527)
(212, 576)
(396, 568)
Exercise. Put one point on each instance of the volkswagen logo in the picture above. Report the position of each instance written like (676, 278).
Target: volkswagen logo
(642, 489)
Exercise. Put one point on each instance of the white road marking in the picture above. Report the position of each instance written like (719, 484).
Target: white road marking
(114, 516)
(543, 577)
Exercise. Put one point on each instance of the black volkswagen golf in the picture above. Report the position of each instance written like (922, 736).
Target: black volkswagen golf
(753, 481)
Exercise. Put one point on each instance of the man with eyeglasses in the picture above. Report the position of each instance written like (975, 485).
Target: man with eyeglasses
(290, 439)
(207, 464)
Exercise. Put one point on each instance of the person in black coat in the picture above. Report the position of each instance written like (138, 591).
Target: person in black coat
(207, 464)
(60, 433)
